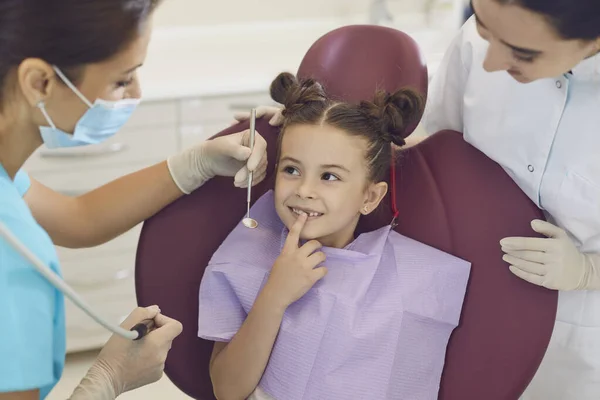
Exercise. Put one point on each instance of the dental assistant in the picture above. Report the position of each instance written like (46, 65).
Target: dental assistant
(68, 78)
(521, 80)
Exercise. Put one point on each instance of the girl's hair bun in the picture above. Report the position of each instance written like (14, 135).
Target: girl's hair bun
(293, 94)
(394, 112)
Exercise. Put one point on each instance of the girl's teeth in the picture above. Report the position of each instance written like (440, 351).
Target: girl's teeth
(300, 212)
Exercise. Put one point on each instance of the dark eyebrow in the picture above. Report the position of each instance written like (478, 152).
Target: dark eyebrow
(325, 166)
(290, 159)
(521, 50)
(332, 166)
(132, 69)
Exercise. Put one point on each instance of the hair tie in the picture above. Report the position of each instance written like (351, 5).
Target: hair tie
(398, 141)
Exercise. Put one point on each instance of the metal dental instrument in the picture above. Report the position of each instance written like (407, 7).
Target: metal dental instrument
(249, 222)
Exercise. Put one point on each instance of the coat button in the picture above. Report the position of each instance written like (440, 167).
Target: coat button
(530, 168)
(559, 84)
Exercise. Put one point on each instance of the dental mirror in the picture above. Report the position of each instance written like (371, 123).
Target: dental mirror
(250, 222)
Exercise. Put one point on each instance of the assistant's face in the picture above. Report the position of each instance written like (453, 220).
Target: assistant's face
(524, 44)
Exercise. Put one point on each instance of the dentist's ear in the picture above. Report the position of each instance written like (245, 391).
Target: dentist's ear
(36, 80)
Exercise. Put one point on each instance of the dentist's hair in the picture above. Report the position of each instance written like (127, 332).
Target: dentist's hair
(381, 121)
(572, 19)
(67, 33)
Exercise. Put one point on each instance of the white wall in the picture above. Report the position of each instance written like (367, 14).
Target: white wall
(212, 12)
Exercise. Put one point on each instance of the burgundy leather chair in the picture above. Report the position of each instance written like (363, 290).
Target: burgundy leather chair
(449, 195)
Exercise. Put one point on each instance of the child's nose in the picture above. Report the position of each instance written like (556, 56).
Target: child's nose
(306, 189)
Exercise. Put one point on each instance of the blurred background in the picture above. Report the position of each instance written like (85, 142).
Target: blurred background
(206, 61)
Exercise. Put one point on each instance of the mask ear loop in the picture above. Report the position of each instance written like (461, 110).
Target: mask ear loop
(67, 82)
(394, 206)
(42, 106)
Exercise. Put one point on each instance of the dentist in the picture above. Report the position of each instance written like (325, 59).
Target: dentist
(68, 78)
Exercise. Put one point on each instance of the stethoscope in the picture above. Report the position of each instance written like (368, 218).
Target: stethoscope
(137, 332)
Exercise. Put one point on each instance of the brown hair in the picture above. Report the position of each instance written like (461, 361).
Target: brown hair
(67, 33)
(381, 121)
(572, 19)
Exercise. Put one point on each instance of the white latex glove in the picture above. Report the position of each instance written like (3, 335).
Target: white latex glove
(553, 262)
(125, 364)
(223, 156)
(274, 113)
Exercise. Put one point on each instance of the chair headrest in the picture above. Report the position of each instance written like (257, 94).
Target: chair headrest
(351, 62)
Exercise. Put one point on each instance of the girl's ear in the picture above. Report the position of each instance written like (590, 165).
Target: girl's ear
(373, 196)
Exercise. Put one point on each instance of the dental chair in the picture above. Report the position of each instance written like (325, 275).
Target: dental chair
(449, 195)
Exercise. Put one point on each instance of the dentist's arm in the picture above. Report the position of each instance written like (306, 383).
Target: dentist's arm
(110, 210)
(27, 395)
(102, 214)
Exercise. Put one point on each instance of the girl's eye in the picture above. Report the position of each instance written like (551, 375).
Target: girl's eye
(330, 177)
(290, 170)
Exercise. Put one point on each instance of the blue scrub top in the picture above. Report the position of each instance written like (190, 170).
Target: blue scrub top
(32, 337)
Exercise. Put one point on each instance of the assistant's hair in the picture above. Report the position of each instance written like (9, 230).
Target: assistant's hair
(381, 122)
(67, 33)
(572, 19)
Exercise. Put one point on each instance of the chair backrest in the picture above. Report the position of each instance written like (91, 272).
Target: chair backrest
(450, 196)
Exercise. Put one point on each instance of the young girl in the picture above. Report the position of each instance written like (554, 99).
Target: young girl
(299, 308)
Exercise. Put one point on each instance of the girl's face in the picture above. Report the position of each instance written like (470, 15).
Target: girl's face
(525, 44)
(322, 171)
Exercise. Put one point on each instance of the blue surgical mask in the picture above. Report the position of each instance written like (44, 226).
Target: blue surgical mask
(101, 121)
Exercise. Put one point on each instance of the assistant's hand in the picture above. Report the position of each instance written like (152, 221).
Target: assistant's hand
(223, 156)
(553, 262)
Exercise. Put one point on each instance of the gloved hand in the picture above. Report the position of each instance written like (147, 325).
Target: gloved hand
(553, 262)
(223, 156)
(124, 364)
(274, 113)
